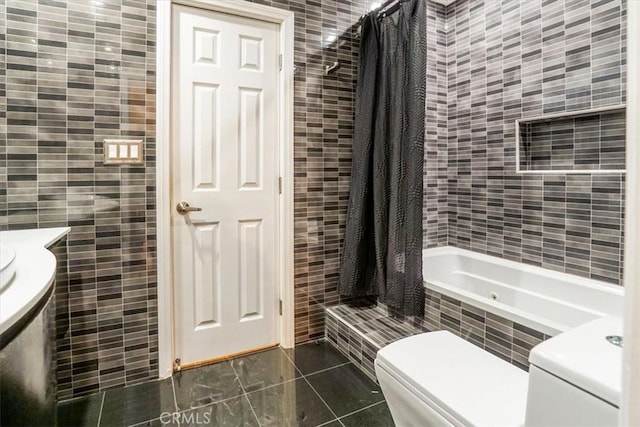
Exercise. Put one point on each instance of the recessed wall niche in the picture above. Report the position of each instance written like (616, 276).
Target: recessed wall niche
(590, 141)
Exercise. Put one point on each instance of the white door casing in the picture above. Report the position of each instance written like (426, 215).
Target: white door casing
(224, 161)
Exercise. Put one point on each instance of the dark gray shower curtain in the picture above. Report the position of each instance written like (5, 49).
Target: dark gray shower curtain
(382, 253)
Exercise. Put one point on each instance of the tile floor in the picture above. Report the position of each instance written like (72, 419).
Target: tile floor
(311, 385)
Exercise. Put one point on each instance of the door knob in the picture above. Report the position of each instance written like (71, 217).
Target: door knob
(183, 208)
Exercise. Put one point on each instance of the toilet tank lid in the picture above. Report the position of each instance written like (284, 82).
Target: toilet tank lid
(470, 384)
(583, 357)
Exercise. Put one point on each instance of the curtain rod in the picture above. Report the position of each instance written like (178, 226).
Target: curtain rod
(389, 6)
(384, 8)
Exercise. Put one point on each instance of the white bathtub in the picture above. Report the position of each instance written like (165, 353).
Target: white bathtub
(547, 301)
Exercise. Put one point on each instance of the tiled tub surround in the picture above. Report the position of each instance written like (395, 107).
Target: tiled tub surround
(513, 60)
(501, 306)
(359, 332)
(502, 337)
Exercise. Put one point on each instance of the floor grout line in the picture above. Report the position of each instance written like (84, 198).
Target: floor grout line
(320, 397)
(292, 362)
(321, 370)
(314, 390)
(330, 422)
(193, 408)
(101, 407)
(275, 385)
(246, 396)
(361, 409)
(348, 362)
(175, 396)
(253, 411)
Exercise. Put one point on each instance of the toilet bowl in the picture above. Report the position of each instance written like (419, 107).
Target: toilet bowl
(438, 379)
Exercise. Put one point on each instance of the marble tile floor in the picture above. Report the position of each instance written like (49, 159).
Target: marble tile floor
(311, 385)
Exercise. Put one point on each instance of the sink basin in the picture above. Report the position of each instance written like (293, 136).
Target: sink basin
(7, 265)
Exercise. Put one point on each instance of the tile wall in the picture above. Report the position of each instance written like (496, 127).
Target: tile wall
(73, 73)
(512, 59)
(593, 142)
(435, 208)
(499, 336)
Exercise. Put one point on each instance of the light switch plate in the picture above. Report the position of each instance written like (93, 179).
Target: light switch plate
(123, 152)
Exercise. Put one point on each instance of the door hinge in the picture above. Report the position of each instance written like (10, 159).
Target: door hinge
(280, 61)
(279, 185)
(176, 365)
(280, 307)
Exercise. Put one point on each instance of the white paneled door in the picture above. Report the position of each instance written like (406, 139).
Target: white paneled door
(225, 179)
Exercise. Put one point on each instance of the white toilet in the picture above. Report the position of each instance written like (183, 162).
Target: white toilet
(575, 378)
(438, 379)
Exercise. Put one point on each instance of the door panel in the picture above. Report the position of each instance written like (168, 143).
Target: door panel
(251, 138)
(206, 141)
(206, 276)
(251, 271)
(206, 48)
(224, 161)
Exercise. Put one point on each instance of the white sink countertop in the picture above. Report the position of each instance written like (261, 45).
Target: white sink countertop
(35, 271)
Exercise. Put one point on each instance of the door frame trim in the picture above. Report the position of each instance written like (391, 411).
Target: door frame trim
(285, 20)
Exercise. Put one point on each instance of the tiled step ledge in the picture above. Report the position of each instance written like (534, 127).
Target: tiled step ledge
(359, 332)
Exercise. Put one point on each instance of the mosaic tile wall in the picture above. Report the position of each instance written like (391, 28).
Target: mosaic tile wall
(509, 60)
(593, 142)
(73, 73)
(435, 209)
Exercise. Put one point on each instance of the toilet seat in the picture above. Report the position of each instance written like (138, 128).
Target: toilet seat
(462, 383)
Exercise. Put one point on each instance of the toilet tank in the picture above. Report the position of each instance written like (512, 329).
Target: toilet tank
(575, 378)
